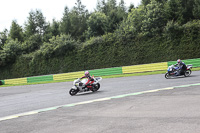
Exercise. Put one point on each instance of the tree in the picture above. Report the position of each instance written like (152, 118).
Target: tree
(187, 12)
(48, 33)
(16, 32)
(145, 2)
(131, 7)
(132, 25)
(57, 46)
(115, 13)
(79, 16)
(181, 11)
(154, 19)
(74, 21)
(162, 1)
(32, 44)
(51, 30)
(196, 9)
(55, 28)
(3, 38)
(11, 49)
(97, 24)
(121, 10)
(112, 4)
(173, 10)
(65, 24)
(36, 23)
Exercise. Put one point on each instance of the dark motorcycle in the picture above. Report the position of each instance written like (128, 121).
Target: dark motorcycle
(173, 70)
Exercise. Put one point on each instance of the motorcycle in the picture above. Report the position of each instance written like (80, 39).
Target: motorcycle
(79, 86)
(173, 70)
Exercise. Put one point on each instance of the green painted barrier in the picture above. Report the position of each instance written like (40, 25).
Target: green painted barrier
(194, 62)
(106, 71)
(40, 79)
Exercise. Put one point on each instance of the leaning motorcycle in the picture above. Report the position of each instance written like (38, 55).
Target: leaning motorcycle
(79, 86)
(173, 70)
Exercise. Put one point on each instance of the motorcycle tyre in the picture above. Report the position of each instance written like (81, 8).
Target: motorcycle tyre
(96, 87)
(167, 76)
(186, 75)
(73, 92)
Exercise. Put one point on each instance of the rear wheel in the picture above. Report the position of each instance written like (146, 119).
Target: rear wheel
(187, 73)
(73, 92)
(96, 87)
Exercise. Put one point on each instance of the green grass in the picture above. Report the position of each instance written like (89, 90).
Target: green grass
(104, 77)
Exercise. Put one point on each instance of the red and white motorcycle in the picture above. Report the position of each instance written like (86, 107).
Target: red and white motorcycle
(79, 86)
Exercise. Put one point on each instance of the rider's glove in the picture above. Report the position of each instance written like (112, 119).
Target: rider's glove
(87, 84)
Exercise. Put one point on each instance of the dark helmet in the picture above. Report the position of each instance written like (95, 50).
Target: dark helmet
(179, 61)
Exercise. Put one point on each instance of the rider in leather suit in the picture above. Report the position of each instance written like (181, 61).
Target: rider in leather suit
(182, 67)
(90, 79)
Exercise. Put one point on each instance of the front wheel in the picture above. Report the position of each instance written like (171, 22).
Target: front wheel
(73, 92)
(167, 76)
(187, 73)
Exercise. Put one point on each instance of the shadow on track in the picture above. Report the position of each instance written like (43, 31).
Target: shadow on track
(180, 77)
(88, 93)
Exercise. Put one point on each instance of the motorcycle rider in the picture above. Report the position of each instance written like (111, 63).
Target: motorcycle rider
(182, 67)
(90, 79)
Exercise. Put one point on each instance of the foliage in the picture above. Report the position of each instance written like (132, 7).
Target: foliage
(32, 43)
(97, 24)
(57, 46)
(16, 32)
(3, 38)
(114, 13)
(10, 51)
(154, 19)
(74, 21)
(196, 9)
(36, 24)
(111, 36)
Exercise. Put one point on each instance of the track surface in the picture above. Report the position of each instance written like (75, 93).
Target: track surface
(138, 113)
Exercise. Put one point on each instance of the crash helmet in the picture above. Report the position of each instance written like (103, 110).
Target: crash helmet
(179, 61)
(87, 74)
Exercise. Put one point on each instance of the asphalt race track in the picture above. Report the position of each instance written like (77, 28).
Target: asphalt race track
(139, 104)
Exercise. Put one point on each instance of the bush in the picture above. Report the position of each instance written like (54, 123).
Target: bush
(59, 45)
(10, 51)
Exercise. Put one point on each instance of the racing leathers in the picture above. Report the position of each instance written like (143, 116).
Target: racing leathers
(182, 68)
(90, 80)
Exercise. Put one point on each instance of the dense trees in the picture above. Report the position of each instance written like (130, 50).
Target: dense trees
(74, 21)
(36, 24)
(3, 38)
(112, 35)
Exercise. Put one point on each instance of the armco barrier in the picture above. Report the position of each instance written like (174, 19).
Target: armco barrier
(102, 72)
(66, 76)
(106, 71)
(16, 81)
(145, 68)
(40, 79)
